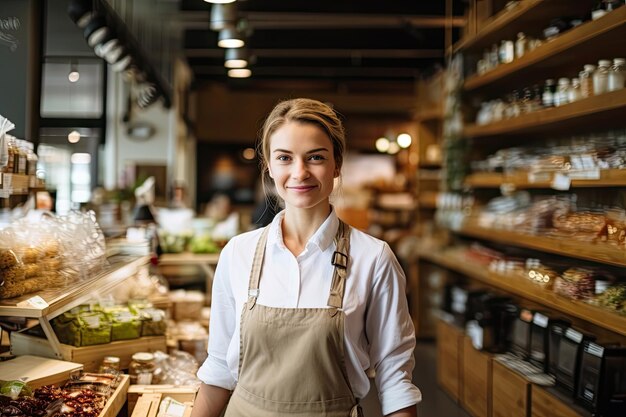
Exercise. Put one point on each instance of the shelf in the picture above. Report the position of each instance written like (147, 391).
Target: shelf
(561, 57)
(608, 178)
(605, 110)
(529, 16)
(597, 252)
(59, 300)
(455, 260)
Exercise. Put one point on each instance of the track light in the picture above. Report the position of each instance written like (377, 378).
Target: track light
(122, 64)
(404, 140)
(115, 54)
(239, 73)
(220, 1)
(236, 58)
(223, 15)
(229, 37)
(96, 31)
(73, 137)
(81, 12)
(107, 44)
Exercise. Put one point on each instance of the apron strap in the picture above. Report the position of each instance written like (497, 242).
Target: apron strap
(255, 272)
(340, 262)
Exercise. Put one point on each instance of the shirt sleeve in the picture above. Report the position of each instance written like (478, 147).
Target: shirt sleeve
(391, 335)
(214, 370)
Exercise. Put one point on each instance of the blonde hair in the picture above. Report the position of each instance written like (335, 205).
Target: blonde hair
(302, 110)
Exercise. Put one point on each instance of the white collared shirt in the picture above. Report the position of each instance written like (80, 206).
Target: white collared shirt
(379, 332)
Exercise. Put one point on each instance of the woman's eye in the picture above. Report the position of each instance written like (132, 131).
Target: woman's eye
(316, 158)
(282, 157)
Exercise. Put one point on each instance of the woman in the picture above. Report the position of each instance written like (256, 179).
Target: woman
(304, 307)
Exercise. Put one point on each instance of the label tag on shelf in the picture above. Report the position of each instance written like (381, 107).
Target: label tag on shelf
(36, 302)
(561, 182)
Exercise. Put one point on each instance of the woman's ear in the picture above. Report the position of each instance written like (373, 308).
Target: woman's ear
(337, 172)
(269, 172)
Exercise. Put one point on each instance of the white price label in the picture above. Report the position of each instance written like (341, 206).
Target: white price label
(561, 182)
(36, 302)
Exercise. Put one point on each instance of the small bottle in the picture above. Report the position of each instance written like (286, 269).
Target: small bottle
(547, 98)
(574, 91)
(601, 77)
(598, 10)
(521, 45)
(616, 75)
(537, 102)
(526, 104)
(562, 92)
(494, 59)
(141, 368)
(586, 80)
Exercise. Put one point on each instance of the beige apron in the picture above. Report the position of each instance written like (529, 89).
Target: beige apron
(291, 360)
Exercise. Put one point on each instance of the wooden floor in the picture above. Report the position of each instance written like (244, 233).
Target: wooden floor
(435, 402)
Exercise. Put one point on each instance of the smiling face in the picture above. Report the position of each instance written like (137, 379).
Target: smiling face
(302, 165)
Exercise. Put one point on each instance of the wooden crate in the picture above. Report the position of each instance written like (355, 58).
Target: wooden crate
(148, 405)
(510, 392)
(90, 356)
(476, 375)
(183, 393)
(38, 371)
(545, 404)
(449, 356)
(117, 400)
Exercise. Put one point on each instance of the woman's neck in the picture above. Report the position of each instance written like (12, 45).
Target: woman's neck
(299, 225)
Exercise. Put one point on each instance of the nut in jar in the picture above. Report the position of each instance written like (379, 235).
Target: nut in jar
(141, 368)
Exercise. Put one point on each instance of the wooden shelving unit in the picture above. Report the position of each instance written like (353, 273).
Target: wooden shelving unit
(604, 110)
(455, 260)
(597, 252)
(522, 180)
(529, 16)
(562, 56)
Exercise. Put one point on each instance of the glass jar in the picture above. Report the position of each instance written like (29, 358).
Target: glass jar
(547, 98)
(506, 52)
(601, 77)
(616, 75)
(562, 92)
(110, 365)
(141, 368)
(586, 80)
(574, 91)
(521, 45)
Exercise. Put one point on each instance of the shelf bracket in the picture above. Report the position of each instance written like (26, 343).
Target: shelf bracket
(51, 336)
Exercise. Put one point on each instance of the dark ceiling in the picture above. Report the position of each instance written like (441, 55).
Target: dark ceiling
(383, 41)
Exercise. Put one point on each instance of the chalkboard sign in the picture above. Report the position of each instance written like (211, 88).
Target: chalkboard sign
(15, 29)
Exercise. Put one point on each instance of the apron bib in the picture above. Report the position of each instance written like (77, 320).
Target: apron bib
(291, 360)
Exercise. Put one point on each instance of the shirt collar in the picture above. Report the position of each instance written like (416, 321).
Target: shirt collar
(322, 238)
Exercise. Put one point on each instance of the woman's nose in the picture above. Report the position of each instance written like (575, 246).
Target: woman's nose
(299, 171)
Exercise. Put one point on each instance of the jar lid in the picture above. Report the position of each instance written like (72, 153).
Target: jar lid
(111, 359)
(563, 81)
(619, 60)
(604, 62)
(590, 67)
(143, 357)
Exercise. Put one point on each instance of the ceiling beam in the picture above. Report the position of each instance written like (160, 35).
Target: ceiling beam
(315, 72)
(285, 20)
(323, 53)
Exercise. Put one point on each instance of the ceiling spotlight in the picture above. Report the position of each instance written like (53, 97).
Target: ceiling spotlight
(239, 73)
(382, 144)
(115, 54)
(81, 12)
(73, 75)
(222, 16)
(107, 44)
(394, 148)
(96, 31)
(220, 1)
(236, 58)
(404, 140)
(122, 64)
(73, 137)
(229, 37)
